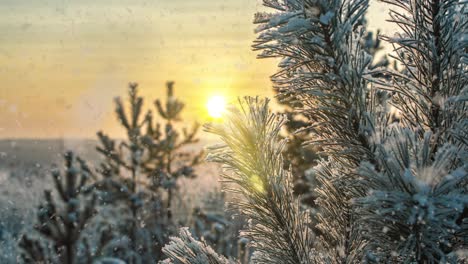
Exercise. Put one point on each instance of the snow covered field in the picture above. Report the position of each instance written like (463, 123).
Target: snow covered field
(25, 173)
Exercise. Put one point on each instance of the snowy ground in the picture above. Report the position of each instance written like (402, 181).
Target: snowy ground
(24, 175)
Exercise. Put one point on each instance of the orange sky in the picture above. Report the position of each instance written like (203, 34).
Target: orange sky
(63, 61)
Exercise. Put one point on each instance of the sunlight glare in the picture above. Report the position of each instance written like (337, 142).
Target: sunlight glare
(216, 106)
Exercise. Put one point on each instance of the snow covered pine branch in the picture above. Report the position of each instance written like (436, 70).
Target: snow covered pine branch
(391, 148)
(324, 62)
(392, 183)
(186, 250)
(251, 155)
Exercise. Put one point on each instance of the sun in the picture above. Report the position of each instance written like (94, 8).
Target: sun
(216, 106)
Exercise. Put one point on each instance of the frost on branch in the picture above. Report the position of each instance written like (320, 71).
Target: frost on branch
(413, 209)
(431, 92)
(184, 249)
(355, 109)
(251, 155)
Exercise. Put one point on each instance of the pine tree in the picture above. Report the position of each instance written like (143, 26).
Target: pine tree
(142, 171)
(392, 181)
(61, 222)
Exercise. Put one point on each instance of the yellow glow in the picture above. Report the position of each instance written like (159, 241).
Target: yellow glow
(257, 183)
(216, 106)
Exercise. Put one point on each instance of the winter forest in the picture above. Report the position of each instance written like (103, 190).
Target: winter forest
(355, 152)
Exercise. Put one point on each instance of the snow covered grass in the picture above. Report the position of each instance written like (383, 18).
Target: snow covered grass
(18, 202)
(22, 186)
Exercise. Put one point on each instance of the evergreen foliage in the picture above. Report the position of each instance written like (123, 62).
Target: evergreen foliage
(185, 249)
(218, 227)
(424, 159)
(392, 181)
(324, 63)
(61, 221)
(142, 172)
(299, 155)
(252, 154)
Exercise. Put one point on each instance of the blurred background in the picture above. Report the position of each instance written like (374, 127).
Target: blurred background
(62, 61)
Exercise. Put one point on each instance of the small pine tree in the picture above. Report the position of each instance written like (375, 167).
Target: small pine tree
(61, 222)
(142, 170)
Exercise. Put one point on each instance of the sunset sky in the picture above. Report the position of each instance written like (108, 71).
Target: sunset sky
(63, 61)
